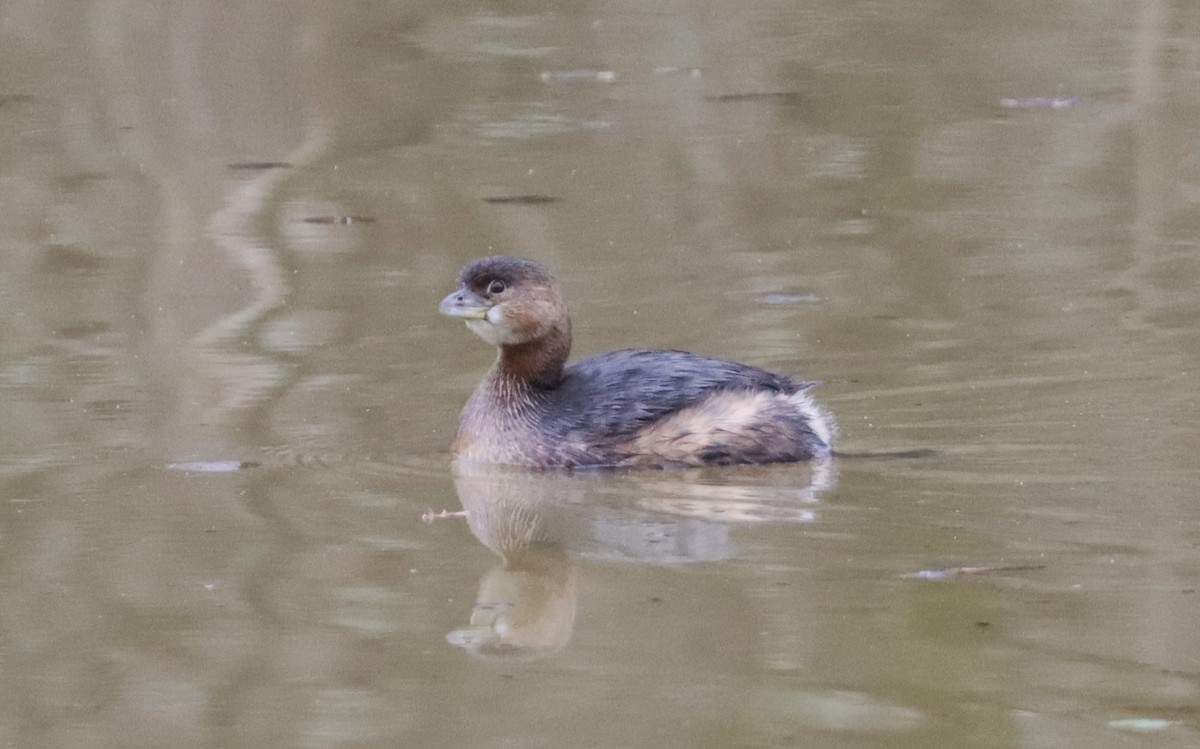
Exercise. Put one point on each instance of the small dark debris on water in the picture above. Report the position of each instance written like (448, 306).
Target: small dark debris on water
(914, 454)
(82, 330)
(212, 466)
(787, 97)
(259, 165)
(339, 219)
(948, 573)
(520, 199)
(983, 625)
(655, 599)
(69, 259)
(1040, 102)
(14, 98)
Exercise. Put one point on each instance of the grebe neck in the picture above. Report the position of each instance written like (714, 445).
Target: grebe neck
(538, 363)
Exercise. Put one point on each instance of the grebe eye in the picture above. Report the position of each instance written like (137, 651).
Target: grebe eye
(496, 287)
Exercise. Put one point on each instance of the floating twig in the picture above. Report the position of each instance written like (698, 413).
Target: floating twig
(429, 515)
(950, 572)
(339, 219)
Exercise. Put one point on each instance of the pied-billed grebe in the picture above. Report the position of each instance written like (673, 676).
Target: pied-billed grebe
(630, 408)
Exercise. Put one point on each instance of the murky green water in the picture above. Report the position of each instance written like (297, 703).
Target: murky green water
(225, 232)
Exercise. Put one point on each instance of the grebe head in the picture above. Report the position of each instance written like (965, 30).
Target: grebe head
(507, 301)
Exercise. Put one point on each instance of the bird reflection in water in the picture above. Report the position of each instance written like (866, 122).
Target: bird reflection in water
(541, 522)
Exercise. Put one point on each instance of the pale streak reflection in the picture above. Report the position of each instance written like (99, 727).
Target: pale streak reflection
(540, 522)
(247, 377)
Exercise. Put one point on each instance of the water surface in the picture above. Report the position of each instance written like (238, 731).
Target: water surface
(225, 394)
